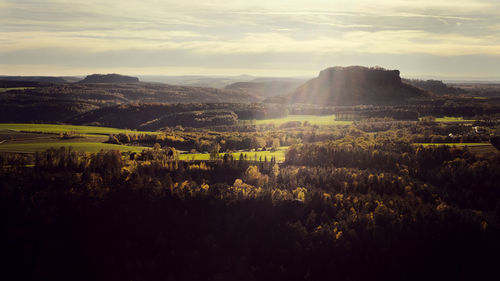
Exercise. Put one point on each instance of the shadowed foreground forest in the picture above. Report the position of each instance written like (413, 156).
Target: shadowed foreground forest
(344, 209)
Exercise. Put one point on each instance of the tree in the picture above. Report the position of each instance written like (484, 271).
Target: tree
(214, 152)
(254, 177)
(276, 170)
(495, 141)
(276, 143)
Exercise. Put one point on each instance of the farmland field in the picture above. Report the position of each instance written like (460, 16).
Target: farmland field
(312, 119)
(448, 119)
(30, 138)
(456, 144)
(279, 154)
(483, 149)
(56, 129)
(477, 148)
(12, 136)
(79, 146)
(17, 88)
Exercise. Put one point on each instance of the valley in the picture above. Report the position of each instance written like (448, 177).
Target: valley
(354, 168)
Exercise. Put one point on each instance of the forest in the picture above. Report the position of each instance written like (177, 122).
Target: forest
(348, 202)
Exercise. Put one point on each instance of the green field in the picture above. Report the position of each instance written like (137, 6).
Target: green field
(312, 119)
(79, 146)
(278, 154)
(456, 144)
(56, 129)
(29, 138)
(448, 119)
(479, 148)
(18, 88)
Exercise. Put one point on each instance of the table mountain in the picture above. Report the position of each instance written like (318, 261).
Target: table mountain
(109, 78)
(353, 85)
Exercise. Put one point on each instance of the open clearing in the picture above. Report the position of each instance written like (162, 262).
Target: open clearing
(327, 120)
(11, 136)
(456, 144)
(448, 119)
(30, 138)
(17, 88)
(482, 148)
(56, 129)
(279, 154)
(79, 146)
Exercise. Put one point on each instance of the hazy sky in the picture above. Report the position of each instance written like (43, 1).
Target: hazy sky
(444, 38)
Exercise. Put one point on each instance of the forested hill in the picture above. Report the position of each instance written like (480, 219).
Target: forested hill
(434, 86)
(266, 89)
(353, 85)
(40, 79)
(109, 78)
(61, 102)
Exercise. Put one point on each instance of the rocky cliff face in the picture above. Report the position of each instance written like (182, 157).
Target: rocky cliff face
(109, 78)
(354, 85)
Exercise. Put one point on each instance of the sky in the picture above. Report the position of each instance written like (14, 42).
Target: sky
(445, 39)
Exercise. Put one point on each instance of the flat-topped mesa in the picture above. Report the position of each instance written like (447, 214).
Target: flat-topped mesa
(109, 78)
(354, 85)
(360, 74)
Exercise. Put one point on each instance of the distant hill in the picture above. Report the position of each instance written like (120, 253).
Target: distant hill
(353, 85)
(218, 82)
(118, 93)
(265, 89)
(61, 102)
(435, 86)
(153, 116)
(41, 79)
(109, 78)
(21, 84)
(480, 89)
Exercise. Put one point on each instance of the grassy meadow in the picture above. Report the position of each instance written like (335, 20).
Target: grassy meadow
(30, 138)
(16, 88)
(448, 119)
(79, 146)
(456, 144)
(326, 120)
(279, 154)
(56, 129)
(478, 148)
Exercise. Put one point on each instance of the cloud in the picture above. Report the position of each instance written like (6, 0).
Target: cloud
(212, 30)
(387, 42)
